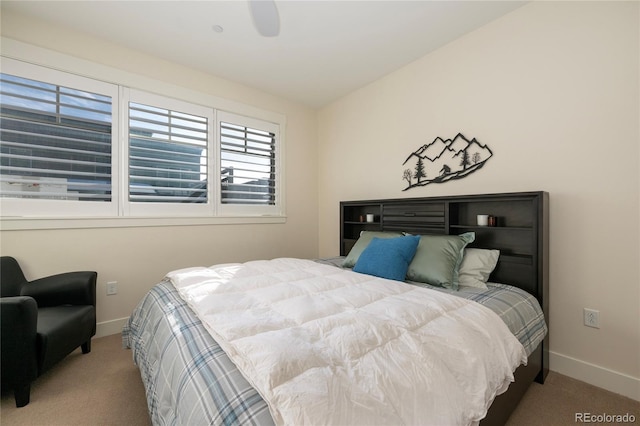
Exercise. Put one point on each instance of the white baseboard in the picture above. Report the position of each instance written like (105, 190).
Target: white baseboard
(605, 378)
(108, 328)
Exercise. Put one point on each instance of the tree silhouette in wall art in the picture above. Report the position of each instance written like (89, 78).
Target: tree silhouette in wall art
(443, 160)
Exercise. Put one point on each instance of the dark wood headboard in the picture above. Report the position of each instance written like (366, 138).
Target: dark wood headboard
(521, 232)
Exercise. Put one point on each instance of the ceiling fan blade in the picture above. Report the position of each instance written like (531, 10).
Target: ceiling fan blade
(265, 17)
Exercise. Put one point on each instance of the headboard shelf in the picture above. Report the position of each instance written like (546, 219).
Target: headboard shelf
(521, 234)
(516, 258)
(492, 228)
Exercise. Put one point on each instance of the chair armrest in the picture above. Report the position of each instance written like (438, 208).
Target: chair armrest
(18, 322)
(70, 288)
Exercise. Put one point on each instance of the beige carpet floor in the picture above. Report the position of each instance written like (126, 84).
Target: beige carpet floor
(100, 388)
(104, 388)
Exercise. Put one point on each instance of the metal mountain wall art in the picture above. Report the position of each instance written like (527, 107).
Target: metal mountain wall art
(445, 159)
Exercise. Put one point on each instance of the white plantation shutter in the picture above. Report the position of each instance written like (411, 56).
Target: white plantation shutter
(168, 165)
(248, 162)
(167, 155)
(55, 141)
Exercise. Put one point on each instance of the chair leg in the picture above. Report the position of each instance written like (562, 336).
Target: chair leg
(86, 347)
(22, 393)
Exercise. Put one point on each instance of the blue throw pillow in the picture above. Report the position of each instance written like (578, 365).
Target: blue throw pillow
(388, 257)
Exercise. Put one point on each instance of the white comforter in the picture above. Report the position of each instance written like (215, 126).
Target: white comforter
(333, 347)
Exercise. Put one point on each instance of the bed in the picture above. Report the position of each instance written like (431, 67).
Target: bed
(191, 377)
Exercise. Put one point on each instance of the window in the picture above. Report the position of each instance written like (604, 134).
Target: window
(248, 163)
(168, 156)
(65, 152)
(56, 144)
(56, 141)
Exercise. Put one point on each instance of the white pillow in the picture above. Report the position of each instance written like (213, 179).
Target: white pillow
(476, 266)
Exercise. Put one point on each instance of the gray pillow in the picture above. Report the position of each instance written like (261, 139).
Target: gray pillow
(363, 242)
(438, 259)
(476, 266)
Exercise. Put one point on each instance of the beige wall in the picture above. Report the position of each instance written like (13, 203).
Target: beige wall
(138, 257)
(553, 89)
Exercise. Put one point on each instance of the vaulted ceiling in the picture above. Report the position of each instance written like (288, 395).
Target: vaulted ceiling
(325, 49)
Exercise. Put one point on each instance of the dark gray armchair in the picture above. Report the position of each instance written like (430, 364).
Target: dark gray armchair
(42, 321)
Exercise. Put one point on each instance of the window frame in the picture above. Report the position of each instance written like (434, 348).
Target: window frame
(16, 214)
(247, 209)
(68, 208)
(132, 208)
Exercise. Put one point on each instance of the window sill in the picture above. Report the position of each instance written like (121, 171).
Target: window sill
(35, 223)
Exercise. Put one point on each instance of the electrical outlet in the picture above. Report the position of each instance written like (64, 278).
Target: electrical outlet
(112, 288)
(591, 318)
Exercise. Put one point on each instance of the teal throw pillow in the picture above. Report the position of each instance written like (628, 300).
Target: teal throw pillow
(388, 257)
